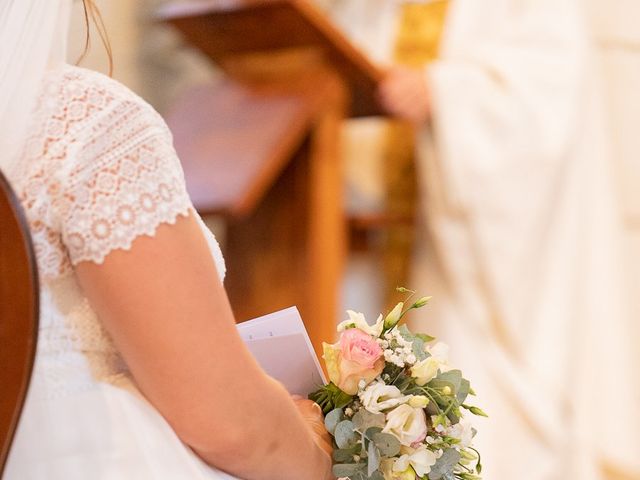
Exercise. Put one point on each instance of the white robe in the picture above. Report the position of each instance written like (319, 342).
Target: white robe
(521, 234)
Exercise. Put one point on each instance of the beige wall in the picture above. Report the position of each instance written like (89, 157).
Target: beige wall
(121, 18)
(149, 58)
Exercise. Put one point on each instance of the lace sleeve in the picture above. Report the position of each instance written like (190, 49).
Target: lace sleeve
(126, 182)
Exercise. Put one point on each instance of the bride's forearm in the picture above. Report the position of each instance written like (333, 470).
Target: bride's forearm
(277, 447)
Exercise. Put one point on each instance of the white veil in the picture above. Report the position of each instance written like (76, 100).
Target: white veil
(33, 38)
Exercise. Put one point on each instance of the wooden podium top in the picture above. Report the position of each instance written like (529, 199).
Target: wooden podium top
(227, 29)
(235, 140)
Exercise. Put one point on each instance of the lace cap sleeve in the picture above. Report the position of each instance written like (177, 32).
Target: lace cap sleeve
(126, 182)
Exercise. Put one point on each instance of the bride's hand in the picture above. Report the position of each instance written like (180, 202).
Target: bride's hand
(313, 417)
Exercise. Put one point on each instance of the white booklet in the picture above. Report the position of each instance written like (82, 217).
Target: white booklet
(282, 347)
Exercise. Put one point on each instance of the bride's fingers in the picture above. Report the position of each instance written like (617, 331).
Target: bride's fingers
(314, 418)
(309, 409)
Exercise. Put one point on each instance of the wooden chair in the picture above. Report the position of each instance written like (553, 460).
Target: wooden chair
(19, 302)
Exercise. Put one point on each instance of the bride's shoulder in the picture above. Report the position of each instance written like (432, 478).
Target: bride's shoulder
(86, 98)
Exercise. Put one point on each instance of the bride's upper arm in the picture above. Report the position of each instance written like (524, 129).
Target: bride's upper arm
(166, 310)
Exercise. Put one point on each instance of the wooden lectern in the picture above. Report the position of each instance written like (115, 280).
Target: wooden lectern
(262, 149)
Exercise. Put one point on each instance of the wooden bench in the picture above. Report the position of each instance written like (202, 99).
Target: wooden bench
(19, 304)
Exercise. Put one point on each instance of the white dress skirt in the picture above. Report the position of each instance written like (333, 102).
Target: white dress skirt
(99, 170)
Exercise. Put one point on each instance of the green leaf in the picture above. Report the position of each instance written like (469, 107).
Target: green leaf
(405, 333)
(388, 445)
(463, 391)
(418, 349)
(377, 475)
(332, 419)
(345, 455)
(364, 419)
(445, 464)
(373, 459)
(451, 379)
(344, 434)
(330, 397)
(347, 469)
(371, 431)
(425, 338)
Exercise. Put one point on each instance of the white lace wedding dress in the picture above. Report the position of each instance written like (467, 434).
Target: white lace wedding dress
(99, 170)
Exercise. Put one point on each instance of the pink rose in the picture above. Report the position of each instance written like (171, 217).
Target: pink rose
(360, 348)
(356, 357)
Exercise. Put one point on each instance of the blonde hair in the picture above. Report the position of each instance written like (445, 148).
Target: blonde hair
(92, 15)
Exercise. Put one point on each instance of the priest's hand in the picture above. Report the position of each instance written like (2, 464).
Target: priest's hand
(404, 93)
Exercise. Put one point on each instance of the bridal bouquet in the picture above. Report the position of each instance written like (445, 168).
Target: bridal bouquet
(394, 407)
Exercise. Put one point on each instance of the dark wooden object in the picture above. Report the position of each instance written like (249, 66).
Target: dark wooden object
(230, 32)
(18, 314)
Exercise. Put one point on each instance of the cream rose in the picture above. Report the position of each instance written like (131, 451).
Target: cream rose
(407, 424)
(378, 397)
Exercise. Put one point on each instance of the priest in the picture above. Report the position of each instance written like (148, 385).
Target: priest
(519, 230)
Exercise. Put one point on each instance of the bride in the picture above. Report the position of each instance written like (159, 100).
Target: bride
(140, 373)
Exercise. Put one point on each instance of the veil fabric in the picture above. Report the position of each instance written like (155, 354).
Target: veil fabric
(33, 39)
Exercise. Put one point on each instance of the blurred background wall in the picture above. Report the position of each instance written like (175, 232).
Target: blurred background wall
(616, 36)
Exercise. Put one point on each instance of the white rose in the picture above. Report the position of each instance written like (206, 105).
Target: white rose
(426, 370)
(357, 320)
(420, 459)
(407, 424)
(378, 396)
(462, 431)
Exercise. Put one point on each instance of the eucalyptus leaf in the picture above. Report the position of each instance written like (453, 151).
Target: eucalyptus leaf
(432, 409)
(405, 333)
(332, 419)
(418, 349)
(344, 434)
(388, 445)
(452, 376)
(345, 455)
(463, 391)
(377, 475)
(373, 459)
(348, 469)
(371, 431)
(364, 419)
(451, 379)
(445, 464)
